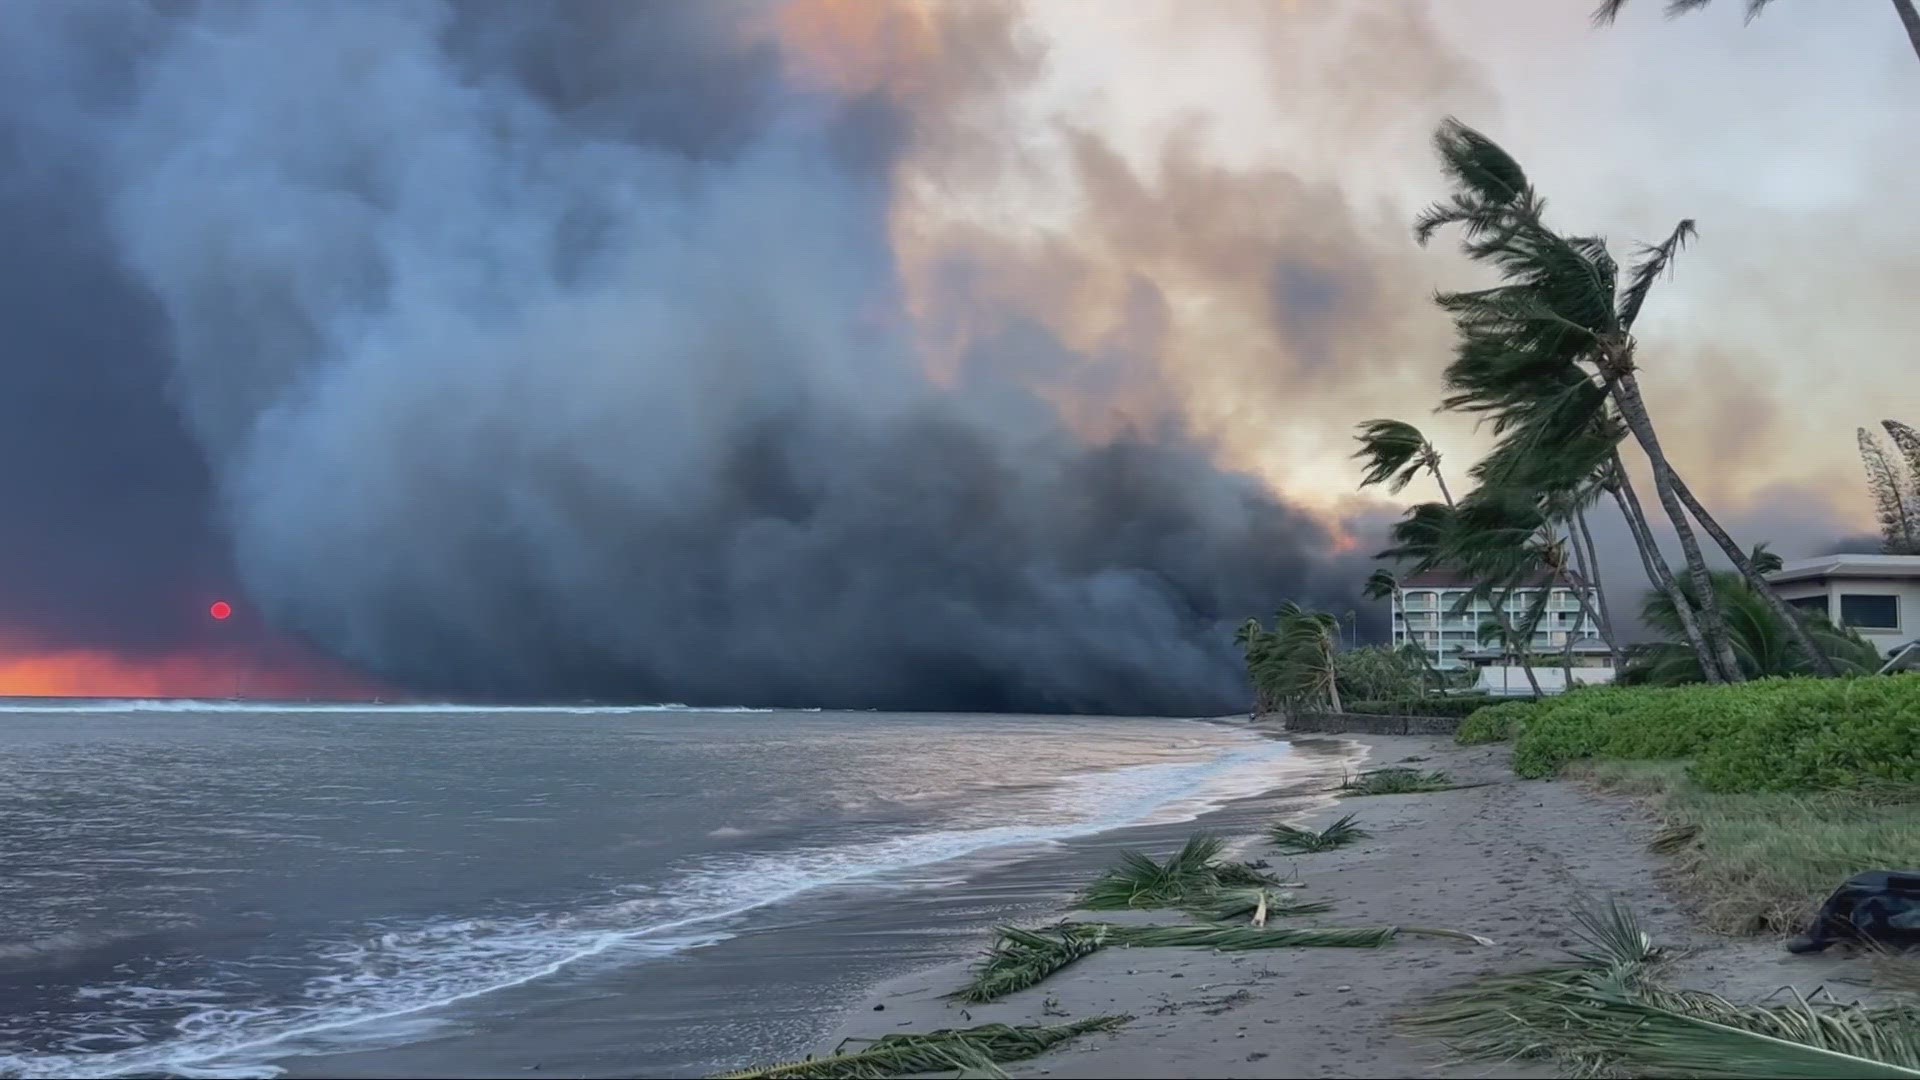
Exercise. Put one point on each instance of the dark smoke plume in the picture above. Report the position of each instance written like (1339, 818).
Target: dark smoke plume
(556, 350)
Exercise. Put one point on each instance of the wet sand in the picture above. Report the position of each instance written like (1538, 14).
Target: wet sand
(1508, 860)
(734, 1003)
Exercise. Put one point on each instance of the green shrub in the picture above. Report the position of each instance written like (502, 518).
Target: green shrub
(1769, 735)
(1462, 705)
(1494, 723)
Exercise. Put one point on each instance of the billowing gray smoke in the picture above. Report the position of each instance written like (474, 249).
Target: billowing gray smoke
(555, 350)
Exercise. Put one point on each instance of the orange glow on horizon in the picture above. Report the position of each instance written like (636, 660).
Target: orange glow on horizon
(81, 673)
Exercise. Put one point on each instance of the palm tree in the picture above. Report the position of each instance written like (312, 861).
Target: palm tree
(1760, 641)
(1764, 560)
(1514, 644)
(1480, 539)
(1380, 585)
(1526, 347)
(1309, 641)
(1396, 452)
(1609, 10)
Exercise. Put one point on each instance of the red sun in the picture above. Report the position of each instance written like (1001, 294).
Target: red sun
(220, 609)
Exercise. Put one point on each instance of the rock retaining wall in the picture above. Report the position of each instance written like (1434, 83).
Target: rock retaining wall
(1367, 724)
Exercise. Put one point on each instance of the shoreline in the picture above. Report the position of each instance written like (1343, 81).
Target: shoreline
(1504, 858)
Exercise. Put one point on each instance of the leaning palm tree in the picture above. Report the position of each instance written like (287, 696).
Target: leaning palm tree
(1516, 643)
(1760, 641)
(1549, 354)
(1309, 641)
(1476, 539)
(1609, 10)
(1395, 453)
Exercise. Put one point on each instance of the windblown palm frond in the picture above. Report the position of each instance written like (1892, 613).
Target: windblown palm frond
(1395, 452)
(1609, 10)
(1380, 585)
(1292, 838)
(1605, 1014)
(1020, 958)
(1396, 781)
(1655, 261)
(1192, 874)
(934, 1051)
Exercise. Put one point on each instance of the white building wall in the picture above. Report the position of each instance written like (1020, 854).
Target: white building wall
(1423, 616)
(1905, 590)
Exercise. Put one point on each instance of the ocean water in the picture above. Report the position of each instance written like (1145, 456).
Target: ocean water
(217, 890)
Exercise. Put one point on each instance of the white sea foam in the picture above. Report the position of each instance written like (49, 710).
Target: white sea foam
(399, 976)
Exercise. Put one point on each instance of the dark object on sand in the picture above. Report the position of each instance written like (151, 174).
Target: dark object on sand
(1878, 908)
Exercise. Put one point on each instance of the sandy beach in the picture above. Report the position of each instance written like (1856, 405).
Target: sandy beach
(1508, 859)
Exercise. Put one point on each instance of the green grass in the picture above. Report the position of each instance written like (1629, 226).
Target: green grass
(1762, 862)
(1766, 735)
(1300, 841)
(1396, 781)
(1192, 875)
(976, 1050)
(1494, 723)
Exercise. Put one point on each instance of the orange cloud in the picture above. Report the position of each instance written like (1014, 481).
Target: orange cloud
(81, 673)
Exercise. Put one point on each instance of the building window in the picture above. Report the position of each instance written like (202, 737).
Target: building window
(1870, 612)
(1812, 605)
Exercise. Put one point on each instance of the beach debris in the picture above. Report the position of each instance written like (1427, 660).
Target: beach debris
(1300, 841)
(1191, 875)
(1673, 839)
(1230, 904)
(975, 1051)
(1879, 908)
(1399, 781)
(1021, 958)
(1260, 913)
(1606, 1012)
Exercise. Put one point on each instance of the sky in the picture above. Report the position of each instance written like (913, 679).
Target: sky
(1786, 139)
(877, 353)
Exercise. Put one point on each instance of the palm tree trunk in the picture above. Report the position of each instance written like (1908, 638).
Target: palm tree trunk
(1633, 409)
(1659, 573)
(1910, 19)
(1526, 665)
(1522, 650)
(1761, 587)
(1434, 468)
(1589, 558)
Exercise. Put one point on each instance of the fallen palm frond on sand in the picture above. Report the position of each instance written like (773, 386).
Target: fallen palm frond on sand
(1398, 781)
(975, 1050)
(1300, 841)
(1604, 1013)
(1191, 875)
(1022, 958)
(1230, 904)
